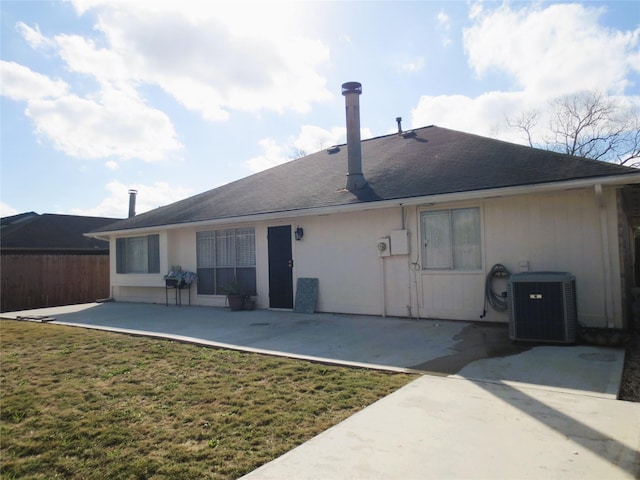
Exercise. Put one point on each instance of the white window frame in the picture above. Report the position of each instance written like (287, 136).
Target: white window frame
(451, 250)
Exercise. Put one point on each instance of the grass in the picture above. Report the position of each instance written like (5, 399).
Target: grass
(79, 403)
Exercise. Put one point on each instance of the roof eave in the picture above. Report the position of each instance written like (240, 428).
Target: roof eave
(615, 180)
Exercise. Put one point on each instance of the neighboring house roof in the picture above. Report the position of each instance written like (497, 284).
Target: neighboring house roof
(51, 233)
(21, 217)
(425, 162)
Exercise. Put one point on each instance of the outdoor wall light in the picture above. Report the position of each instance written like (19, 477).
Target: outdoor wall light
(299, 233)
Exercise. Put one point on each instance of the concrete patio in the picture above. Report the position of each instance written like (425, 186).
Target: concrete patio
(485, 408)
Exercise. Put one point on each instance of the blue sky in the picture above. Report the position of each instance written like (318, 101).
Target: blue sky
(176, 98)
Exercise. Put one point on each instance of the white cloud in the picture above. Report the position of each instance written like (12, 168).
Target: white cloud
(475, 10)
(482, 115)
(20, 83)
(414, 65)
(7, 210)
(32, 35)
(311, 139)
(443, 20)
(548, 52)
(272, 155)
(82, 55)
(113, 122)
(116, 204)
(112, 165)
(552, 51)
(444, 25)
(212, 60)
(113, 125)
(215, 60)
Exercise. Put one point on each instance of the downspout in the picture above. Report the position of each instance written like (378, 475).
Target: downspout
(409, 269)
(383, 299)
(606, 260)
(410, 304)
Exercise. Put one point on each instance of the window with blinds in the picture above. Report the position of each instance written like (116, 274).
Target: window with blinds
(138, 254)
(225, 257)
(451, 239)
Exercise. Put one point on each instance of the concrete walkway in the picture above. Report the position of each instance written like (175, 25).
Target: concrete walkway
(487, 409)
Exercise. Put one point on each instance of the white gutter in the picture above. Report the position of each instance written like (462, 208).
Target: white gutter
(363, 206)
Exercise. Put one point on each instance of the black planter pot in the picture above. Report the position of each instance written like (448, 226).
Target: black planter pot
(235, 302)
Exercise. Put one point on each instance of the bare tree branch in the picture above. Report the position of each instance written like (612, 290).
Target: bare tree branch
(587, 124)
(525, 122)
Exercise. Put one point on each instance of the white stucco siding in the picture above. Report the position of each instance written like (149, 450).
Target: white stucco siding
(557, 232)
(454, 296)
(182, 249)
(341, 251)
(153, 294)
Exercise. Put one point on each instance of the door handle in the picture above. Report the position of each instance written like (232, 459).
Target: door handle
(290, 263)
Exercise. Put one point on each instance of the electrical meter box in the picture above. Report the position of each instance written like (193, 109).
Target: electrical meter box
(399, 242)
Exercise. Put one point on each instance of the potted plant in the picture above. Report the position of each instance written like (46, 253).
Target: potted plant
(248, 303)
(234, 296)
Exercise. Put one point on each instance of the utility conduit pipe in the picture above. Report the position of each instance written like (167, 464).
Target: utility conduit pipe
(383, 301)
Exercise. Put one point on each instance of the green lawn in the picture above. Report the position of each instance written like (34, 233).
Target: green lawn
(77, 403)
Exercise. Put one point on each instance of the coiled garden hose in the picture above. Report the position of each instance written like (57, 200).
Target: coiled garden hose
(497, 301)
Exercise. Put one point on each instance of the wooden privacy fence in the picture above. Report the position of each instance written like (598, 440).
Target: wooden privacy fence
(47, 280)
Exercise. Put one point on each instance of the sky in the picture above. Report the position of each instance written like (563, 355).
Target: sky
(174, 98)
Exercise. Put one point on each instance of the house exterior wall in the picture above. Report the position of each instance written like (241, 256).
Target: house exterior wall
(139, 287)
(341, 251)
(559, 231)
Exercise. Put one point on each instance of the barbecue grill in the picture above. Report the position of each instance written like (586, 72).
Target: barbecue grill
(178, 280)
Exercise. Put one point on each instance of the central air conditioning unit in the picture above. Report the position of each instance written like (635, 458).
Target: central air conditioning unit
(542, 307)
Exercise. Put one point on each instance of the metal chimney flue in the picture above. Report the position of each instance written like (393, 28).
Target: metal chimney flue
(355, 178)
(132, 203)
(399, 122)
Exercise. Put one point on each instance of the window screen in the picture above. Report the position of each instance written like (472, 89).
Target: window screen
(451, 239)
(225, 257)
(138, 254)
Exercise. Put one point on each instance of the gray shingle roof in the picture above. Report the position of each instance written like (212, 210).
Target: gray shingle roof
(434, 161)
(51, 232)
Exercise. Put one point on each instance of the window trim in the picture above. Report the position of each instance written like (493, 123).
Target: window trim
(451, 269)
(152, 247)
(236, 266)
